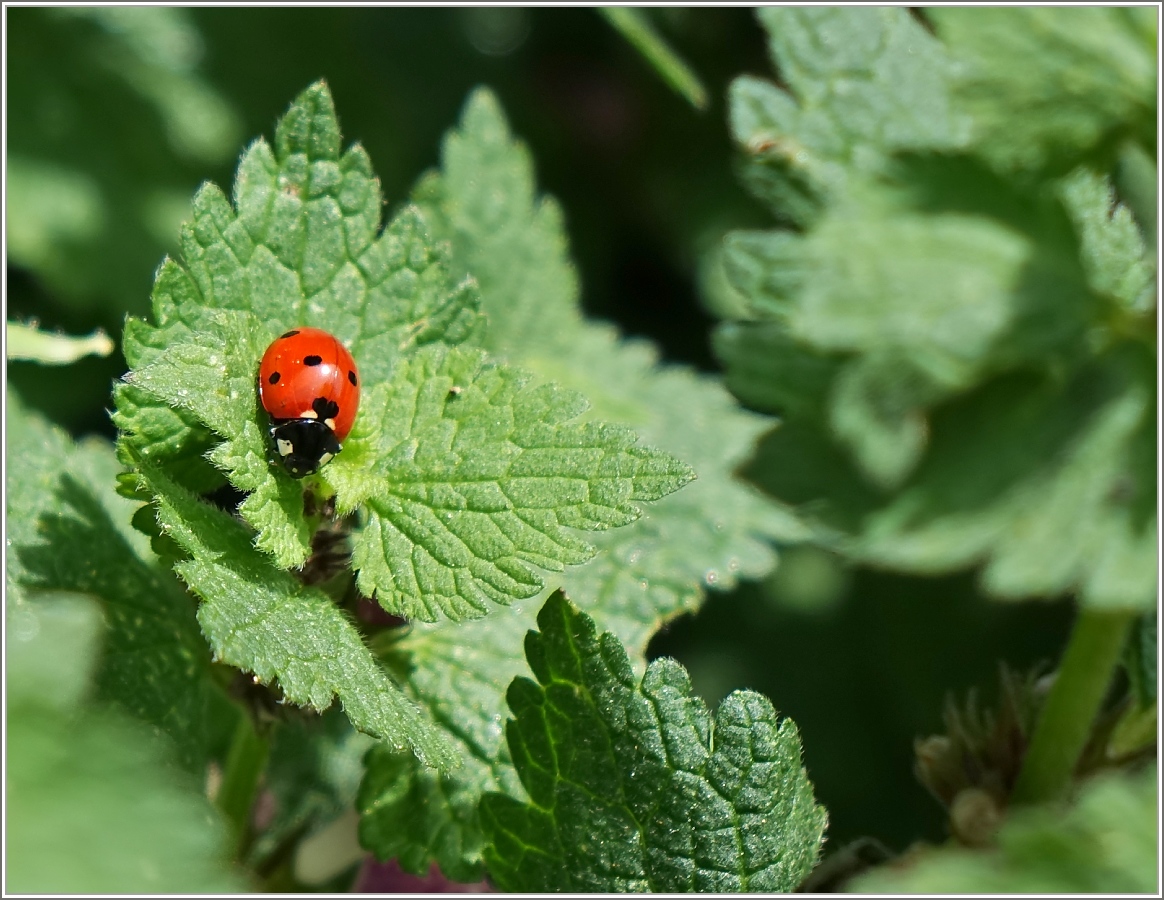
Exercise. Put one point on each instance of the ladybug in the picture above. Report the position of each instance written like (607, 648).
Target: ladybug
(309, 386)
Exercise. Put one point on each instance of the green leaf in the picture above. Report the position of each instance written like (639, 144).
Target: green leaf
(634, 25)
(1048, 87)
(862, 83)
(262, 620)
(1106, 842)
(460, 673)
(683, 801)
(1114, 256)
(471, 474)
(1051, 488)
(709, 534)
(299, 246)
(69, 532)
(961, 362)
(93, 801)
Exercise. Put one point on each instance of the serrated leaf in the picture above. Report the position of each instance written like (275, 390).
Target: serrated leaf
(1107, 842)
(70, 532)
(472, 474)
(713, 531)
(92, 802)
(683, 801)
(484, 200)
(1112, 249)
(1048, 87)
(863, 83)
(299, 245)
(260, 619)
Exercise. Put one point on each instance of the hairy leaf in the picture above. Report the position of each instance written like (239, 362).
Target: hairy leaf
(862, 84)
(682, 801)
(1047, 87)
(260, 619)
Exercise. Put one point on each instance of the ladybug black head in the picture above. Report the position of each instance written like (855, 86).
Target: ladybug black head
(304, 445)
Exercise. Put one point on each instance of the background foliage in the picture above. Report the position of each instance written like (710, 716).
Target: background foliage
(919, 270)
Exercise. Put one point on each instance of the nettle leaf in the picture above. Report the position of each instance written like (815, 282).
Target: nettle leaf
(1048, 87)
(1114, 255)
(473, 478)
(484, 201)
(69, 532)
(1106, 842)
(262, 620)
(1051, 487)
(715, 530)
(300, 245)
(960, 361)
(71, 771)
(684, 801)
(862, 83)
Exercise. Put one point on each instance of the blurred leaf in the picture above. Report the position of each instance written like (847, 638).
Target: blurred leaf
(1049, 87)
(634, 25)
(1054, 491)
(70, 532)
(681, 801)
(979, 350)
(92, 804)
(108, 111)
(1114, 255)
(262, 620)
(1140, 659)
(862, 83)
(27, 342)
(1106, 842)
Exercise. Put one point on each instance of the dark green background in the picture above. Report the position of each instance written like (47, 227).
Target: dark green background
(647, 185)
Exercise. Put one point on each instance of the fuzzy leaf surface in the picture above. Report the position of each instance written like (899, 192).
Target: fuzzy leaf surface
(1047, 88)
(684, 801)
(262, 620)
(300, 243)
(472, 473)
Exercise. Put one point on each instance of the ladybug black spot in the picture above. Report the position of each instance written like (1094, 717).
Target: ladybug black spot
(352, 377)
(287, 334)
(274, 379)
(324, 408)
(312, 360)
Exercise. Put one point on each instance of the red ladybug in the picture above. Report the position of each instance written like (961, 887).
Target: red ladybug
(309, 386)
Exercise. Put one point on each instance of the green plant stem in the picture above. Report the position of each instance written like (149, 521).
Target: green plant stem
(240, 779)
(1074, 700)
(633, 25)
